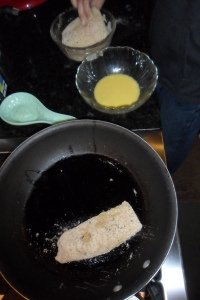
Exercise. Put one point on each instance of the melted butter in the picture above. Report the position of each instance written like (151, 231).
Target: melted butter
(116, 90)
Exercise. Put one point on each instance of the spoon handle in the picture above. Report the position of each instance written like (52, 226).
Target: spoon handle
(53, 117)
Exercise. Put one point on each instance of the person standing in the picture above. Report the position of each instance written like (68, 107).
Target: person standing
(175, 49)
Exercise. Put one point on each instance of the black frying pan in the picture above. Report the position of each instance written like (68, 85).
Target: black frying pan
(34, 208)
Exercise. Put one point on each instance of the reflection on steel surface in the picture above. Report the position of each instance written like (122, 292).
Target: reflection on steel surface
(154, 139)
(172, 274)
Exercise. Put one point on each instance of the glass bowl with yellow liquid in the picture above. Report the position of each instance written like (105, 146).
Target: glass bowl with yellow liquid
(117, 79)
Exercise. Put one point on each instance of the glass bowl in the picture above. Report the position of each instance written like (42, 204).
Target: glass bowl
(78, 54)
(114, 60)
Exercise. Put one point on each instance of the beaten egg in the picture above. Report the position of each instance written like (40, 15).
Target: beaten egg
(116, 90)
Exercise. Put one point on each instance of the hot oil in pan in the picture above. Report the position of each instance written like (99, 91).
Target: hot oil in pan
(70, 192)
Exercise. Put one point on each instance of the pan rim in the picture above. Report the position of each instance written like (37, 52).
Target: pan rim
(56, 127)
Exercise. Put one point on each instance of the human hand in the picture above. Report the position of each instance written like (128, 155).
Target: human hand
(84, 8)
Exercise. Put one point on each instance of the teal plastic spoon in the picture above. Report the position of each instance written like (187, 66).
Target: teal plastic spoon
(25, 109)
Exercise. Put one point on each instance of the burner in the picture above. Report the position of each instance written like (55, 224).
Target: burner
(168, 283)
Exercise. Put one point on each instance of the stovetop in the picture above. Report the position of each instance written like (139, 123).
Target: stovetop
(168, 283)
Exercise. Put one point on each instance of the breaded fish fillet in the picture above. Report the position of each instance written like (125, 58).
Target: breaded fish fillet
(98, 235)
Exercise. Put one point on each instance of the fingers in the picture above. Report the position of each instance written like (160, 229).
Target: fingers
(97, 3)
(84, 8)
(81, 11)
(87, 8)
(74, 3)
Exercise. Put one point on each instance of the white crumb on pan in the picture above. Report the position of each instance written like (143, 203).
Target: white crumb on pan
(146, 264)
(117, 288)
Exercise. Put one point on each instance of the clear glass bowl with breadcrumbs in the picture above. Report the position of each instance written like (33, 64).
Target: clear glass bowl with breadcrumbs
(77, 53)
(116, 61)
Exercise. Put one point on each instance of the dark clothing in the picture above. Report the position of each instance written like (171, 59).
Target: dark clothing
(175, 42)
(180, 126)
(175, 49)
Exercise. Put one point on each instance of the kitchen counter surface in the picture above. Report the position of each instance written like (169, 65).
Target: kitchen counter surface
(31, 62)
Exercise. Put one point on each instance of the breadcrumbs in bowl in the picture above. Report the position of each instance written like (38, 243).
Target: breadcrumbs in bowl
(78, 53)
